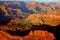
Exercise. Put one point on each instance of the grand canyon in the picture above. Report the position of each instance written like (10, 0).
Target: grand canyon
(21, 20)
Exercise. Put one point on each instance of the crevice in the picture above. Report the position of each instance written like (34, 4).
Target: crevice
(19, 33)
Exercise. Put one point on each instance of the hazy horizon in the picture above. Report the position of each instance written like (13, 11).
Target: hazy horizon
(34, 0)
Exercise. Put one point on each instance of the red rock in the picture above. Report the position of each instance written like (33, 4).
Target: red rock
(1, 38)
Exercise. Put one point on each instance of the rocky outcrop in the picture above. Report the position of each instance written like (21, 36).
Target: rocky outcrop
(37, 35)
(49, 19)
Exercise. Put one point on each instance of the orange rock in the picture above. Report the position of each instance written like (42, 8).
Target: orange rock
(31, 33)
(3, 38)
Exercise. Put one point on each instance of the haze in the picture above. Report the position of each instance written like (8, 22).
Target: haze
(34, 0)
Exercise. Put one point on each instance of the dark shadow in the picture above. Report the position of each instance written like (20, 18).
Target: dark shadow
(53, 29)
(19, 33)
(4, 19)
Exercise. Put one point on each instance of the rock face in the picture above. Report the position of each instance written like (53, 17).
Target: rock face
(37, 35)
(48, 19)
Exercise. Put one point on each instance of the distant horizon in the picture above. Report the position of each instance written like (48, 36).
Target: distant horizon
(34, 0)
